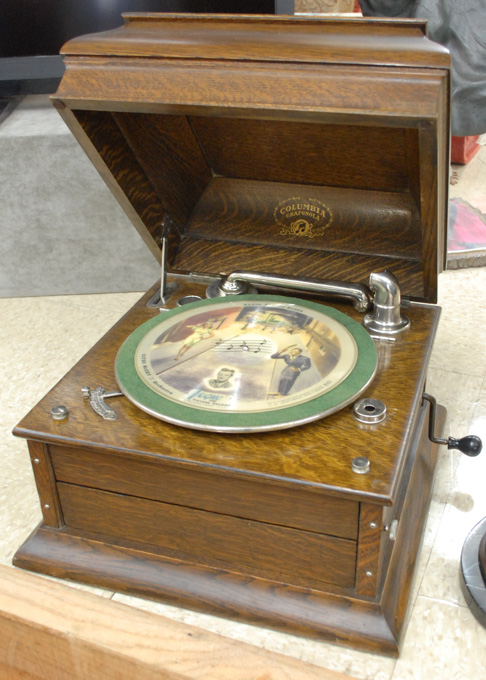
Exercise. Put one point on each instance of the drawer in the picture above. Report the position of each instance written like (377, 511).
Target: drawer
(299, 506)
(278, 553)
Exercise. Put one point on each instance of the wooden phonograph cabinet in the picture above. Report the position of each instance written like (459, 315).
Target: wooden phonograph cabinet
(304, 163)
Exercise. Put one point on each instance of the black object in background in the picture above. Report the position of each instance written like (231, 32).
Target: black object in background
(33, 31)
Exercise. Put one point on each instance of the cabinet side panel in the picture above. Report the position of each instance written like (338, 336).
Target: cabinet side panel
(46, 484)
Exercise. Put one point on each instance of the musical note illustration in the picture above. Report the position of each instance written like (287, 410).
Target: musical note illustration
(251, 345)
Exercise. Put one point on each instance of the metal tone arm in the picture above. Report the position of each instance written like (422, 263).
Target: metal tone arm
(241, 282)
(386, 318)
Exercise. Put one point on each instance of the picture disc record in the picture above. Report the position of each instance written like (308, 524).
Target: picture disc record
(246, 364)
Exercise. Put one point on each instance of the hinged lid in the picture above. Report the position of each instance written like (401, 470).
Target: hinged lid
(291, 145)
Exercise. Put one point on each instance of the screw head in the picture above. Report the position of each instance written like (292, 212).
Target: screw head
(59, 412)
(360, 465)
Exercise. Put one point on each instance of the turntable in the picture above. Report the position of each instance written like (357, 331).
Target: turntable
(252, 439)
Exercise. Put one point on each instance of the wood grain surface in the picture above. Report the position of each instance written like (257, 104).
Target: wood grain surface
(356, 221)
(411, 514)
(370, 556)
(249, 547)
(305, 153)
(319, 614)
(49, 631)
(300, 39)
(171, 158)
(153, 479)
(46, 484)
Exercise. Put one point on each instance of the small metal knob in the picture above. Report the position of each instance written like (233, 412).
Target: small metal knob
(224, 288)
(59, 412)
(369, 411)
(360, 465)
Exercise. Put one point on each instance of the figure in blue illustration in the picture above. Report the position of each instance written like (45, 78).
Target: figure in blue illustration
(296, 363)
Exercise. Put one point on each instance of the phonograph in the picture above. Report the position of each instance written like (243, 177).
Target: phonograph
(252, 438)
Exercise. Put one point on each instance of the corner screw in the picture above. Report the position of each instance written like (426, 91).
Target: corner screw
(360, 465)
(59, 412)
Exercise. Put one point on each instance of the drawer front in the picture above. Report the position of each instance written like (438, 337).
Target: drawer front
(255, 548)
(155, 479)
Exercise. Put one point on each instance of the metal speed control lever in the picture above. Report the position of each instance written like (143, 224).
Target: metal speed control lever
(470, 445)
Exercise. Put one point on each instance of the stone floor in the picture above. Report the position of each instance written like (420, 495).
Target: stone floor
(42, 336)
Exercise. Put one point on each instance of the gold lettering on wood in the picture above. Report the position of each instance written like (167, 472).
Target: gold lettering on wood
(302, 217)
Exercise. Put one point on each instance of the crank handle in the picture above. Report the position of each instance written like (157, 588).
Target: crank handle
(470, 445)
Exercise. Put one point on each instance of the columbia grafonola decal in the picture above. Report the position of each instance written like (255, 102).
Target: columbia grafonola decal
(302, 217)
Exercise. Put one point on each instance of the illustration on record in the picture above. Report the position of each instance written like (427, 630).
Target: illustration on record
(246, 356)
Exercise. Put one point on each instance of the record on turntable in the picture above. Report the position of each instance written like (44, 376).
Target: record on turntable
(260, 362)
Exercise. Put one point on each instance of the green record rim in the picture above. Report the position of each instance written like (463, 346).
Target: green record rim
(165, 409)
